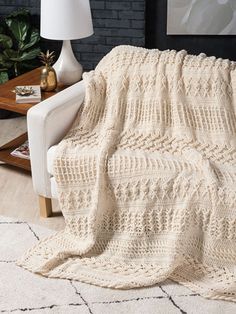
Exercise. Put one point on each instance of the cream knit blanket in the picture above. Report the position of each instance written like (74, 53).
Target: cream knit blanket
(147, 176)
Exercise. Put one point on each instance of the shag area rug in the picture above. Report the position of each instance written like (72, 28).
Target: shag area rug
(23, 291)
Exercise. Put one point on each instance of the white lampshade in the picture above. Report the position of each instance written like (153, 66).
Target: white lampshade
(66, 19)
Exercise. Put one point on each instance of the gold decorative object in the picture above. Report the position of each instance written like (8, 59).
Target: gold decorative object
(48, 80)
(24, 91)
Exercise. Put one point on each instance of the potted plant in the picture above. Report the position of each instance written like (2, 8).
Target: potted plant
(19, 44)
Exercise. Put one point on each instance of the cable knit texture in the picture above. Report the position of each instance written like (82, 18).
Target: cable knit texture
(147, 176)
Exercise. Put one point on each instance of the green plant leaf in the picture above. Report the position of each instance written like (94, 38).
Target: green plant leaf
(3, 77)
(20, 46)
(18, 27)
(34, 38)
(5, 41)
(2, 59)
(5, 62)
(29, 55)
(22, 56)
(11, 54)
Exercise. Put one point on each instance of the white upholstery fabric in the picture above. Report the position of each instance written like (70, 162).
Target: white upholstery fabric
(53, 187)
(48, 122)
(50, 157)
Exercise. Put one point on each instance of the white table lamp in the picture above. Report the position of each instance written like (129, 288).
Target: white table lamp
(66, 20)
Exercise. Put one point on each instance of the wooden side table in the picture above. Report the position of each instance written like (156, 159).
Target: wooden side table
(7, 101)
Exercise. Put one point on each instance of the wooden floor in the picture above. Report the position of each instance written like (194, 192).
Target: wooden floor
(17, 197)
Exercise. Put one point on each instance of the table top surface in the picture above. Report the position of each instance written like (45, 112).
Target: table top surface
(7, 96)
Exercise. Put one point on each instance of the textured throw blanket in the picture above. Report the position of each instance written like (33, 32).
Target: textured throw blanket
(147, 176)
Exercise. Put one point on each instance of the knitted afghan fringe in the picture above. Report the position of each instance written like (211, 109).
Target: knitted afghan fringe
(147, 176)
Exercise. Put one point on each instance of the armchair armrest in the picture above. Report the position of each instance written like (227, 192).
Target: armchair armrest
(47, 124)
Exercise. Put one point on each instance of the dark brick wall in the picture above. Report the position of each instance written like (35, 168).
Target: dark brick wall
(115, 23)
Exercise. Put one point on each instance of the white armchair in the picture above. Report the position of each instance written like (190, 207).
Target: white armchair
(47, 124)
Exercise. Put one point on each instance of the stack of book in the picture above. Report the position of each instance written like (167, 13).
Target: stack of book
(28, 94)
(22, 151)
